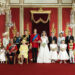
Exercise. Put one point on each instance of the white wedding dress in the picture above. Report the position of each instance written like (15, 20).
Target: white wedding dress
(44, 54)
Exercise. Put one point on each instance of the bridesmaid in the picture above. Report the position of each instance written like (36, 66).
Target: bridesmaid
(53, 52)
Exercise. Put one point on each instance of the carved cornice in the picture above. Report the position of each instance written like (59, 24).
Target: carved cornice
(40, 11)
(58, 4)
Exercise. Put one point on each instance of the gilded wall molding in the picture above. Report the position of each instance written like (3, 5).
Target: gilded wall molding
(40, 11)
(59, 19)
(22, 5)
(41, 2)
(21, 20)
(14, 2)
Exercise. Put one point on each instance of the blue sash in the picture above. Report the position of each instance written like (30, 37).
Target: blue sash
(11, 47)
(18, 40)
(35, 37)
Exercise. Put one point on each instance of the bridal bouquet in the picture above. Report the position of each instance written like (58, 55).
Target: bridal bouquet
(43, 44)
(62, 49)
(53, 49)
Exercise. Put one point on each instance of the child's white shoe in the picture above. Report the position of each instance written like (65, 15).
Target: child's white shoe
(1, 62)
(60, 62)
(65, 62)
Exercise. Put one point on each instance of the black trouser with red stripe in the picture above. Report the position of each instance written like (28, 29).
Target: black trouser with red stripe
(9, 59)
(34, 54)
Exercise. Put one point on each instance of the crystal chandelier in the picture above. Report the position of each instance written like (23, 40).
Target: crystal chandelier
(5, 9)
(9, 22)
(2, 8)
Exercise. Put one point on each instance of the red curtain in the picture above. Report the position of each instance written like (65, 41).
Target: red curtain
(65, 18)
(27, 18)
(38, 16)
(53, 18)
(42, 24)
(2, 25)
(41, 27)
(15, 12)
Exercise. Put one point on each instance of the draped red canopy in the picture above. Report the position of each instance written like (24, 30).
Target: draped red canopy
(40, 16)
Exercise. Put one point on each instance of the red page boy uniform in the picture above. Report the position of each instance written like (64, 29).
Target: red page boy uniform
(11, 51)
(34, 40)
(71, 52)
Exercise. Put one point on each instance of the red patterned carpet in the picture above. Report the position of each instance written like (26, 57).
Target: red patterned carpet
(37, 69)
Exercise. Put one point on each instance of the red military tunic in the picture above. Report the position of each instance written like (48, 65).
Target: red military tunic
(74, 45)
(71, 46)
(12, 49)
(35, 43)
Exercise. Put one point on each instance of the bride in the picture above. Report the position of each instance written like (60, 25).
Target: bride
(43, 55)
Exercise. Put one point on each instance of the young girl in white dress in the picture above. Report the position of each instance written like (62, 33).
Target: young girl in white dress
(44, 55)
(2, 55)
(63, 55)
(53, 52)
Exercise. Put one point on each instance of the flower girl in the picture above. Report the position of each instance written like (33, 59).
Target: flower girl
(63, 55)
(53, 51)
(43, 55)
(2, 55)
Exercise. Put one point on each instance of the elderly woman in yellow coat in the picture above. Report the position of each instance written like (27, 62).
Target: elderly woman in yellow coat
(23, 52)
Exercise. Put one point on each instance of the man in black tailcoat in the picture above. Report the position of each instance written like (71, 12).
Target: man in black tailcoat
(52, 37)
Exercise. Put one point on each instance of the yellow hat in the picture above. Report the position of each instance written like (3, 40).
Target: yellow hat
(23, 41)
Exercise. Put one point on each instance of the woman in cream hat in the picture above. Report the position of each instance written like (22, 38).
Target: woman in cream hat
(5, 39)
(60, 38)
(23, 52)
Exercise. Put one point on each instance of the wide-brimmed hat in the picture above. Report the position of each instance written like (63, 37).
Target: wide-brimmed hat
(6, 33)
(62, 32)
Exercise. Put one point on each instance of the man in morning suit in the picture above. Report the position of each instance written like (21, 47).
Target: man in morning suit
(52, 37)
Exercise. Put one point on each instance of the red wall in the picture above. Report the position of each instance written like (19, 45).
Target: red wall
(53, 18)
(27, 18)
(65, 17)
(2, 25)
(15, 12)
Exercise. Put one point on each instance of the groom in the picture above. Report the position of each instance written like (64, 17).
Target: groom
(35, 40)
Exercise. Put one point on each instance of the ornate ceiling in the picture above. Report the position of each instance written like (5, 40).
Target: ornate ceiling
(39, 2)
